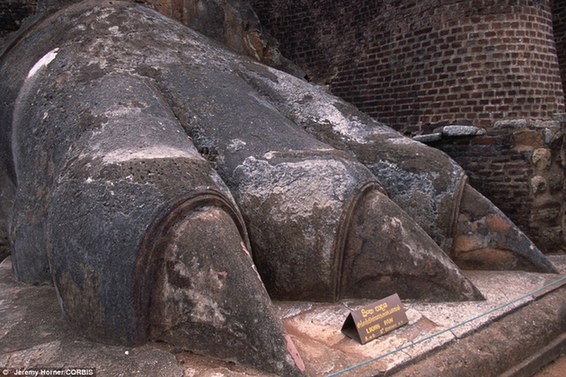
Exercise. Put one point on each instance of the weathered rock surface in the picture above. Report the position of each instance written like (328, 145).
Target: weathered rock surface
(232, 23)
(423, 181)
(101, 187)
(486, 239)
(304, 186)
(298, 195)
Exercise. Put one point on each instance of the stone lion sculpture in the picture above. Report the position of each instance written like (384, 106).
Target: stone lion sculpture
(169, 189)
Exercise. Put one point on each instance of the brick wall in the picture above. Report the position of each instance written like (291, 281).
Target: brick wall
(407, 62)
(559, 24)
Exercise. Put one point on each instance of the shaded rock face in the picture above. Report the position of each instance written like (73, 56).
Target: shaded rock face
(7, 197)
(169, 189)
(231, 22)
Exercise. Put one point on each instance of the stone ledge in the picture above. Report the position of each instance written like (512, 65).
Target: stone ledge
(459, 131)
(536, 362)
(450, 131)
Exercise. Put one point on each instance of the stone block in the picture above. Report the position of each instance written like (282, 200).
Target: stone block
(528, 139)
(541, 158)
(462, 130)
(538, 184)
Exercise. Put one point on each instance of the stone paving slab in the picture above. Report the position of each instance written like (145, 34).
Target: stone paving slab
(443, 322)
(34, 334)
